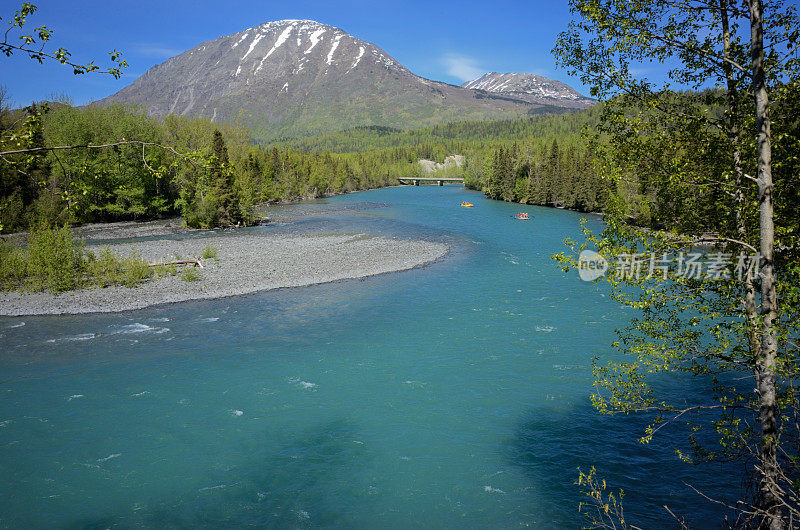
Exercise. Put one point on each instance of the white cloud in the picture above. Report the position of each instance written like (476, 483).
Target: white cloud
(462, 67)
(157, 51)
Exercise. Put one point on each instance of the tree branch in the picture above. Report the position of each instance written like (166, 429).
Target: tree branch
(101, 146)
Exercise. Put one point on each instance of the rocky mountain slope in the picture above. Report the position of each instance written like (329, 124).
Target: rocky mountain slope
(532, 88)
(299, 77)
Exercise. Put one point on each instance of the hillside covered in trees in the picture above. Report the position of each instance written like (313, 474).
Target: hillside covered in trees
(135, 167)
(139, 167)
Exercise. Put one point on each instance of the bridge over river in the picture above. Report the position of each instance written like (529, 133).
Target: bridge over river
(441, 180)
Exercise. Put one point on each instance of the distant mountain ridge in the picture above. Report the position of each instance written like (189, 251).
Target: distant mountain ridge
(292, 78)
(531, 87)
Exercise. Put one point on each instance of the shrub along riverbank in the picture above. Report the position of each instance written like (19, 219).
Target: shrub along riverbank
(55, 260)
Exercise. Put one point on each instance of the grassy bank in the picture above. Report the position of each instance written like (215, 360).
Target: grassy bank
(55, 261)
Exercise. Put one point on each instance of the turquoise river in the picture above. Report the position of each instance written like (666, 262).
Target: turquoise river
(454, 395)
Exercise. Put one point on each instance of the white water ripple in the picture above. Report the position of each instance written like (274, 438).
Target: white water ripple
(304, 384)
(73, 338)
(137, 328)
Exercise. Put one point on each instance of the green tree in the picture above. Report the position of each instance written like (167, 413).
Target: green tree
(221, 192)
(681, 164)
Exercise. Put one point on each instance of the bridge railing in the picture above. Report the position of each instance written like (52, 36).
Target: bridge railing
(416, 180)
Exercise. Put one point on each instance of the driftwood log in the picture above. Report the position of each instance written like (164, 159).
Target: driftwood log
(194, 261)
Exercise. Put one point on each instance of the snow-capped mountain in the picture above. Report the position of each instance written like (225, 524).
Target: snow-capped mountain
(295, 77)
(298, 77)
(532, 88)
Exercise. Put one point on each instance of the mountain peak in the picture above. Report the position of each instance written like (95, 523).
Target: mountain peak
(298, 23)
(291, 21)
(299, 40)
(290, 77)
(530, 87)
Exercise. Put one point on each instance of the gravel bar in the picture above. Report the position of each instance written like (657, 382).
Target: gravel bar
(245, 263)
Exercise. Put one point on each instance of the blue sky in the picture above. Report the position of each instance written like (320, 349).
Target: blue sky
(447, 41)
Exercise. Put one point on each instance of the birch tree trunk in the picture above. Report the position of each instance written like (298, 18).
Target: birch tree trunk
(734, 136)
(769, 300)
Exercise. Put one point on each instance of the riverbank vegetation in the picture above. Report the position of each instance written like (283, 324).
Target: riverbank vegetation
(55, 260)
(213, 175)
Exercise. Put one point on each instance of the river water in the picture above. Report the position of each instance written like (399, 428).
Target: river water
(455, 395)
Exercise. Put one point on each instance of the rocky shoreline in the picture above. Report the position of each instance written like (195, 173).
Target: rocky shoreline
(245, 263)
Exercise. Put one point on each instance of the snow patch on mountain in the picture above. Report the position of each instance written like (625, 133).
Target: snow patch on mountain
(333, 48)
(253, 45)
(315, 38)
(278, 43)
(358, 58)
(246, 34)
